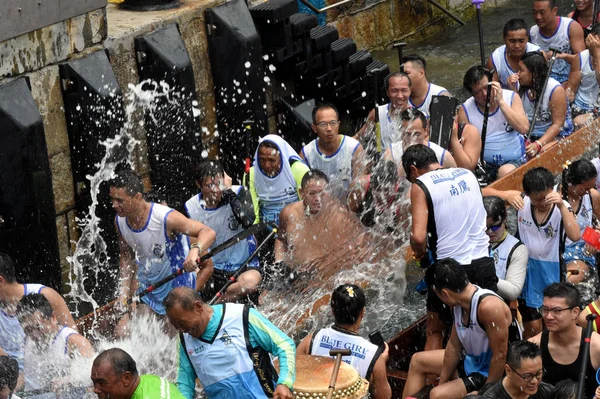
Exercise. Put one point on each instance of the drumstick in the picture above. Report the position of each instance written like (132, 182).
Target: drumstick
(338, 353)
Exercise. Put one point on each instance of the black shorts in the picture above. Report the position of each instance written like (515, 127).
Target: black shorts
(474, 381)
(481, 272)
(528, 313)
(218, 279)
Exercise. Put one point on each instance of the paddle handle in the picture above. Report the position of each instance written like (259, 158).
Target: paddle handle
(338, 353)
(586, 354)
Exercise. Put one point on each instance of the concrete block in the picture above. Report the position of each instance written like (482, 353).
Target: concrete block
(62, 182)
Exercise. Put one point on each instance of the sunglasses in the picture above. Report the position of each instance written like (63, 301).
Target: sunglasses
(494, 228)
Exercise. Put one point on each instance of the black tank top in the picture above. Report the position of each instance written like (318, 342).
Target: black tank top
(555, 372)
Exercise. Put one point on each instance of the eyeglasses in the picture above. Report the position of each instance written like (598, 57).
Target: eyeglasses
(494, 227)
(323, 125)
(555, 311)
(529, 377)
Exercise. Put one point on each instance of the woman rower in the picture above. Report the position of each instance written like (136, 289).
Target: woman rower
(553, 118)
(583, 14)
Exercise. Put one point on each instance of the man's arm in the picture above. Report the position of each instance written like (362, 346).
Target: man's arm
(356, 194)
(358, 162)
(127, 269)
(304, 345)
(186, 376)
(60, 308)
(360, 135)
(513, 197)
(466, 153)
(452, 355)
(420, 217)
(514, 113)
(281, 243)
(80, 345)
(494, 316)
(594, 349)
(576, 37)
(510, 288)
(574, 78)
(264, 334)
(380, 387)
(204, 236)
(449, 161)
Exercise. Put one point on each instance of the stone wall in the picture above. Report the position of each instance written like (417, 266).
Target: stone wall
(38, 53)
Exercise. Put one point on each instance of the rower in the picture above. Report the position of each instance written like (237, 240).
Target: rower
(49, 349)
(561, 341)
(228, 211)
(398, 89)
(465, 144)
(115, 375)
(152, 246)
(415, 130)
(11, 292)
(348, 308)
(583, 85)
(437, 196)
(553, 120)
(504, 145)
(9, 374)
(422, 91)
(583, 15)
(227, 348)
(339, 156)
(504, 61)
(479, 331)
(524, 373)
(561, 33)
(584, 199)
(543, 220)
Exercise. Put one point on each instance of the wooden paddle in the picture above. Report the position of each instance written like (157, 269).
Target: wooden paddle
(338, 353)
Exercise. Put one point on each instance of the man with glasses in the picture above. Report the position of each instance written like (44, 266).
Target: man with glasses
(560, 342)
(338, 156)
(524, 373)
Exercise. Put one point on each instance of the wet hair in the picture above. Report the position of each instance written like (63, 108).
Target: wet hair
(384, 176)
(9, 373)
(517, 351)
(208, 168)
(184, 296)
(418, 155)
(7, 268)
(537, 180)
(396, 75)
(128, 180)
(412, 114)
(580, 171)
(448, 273)
(347, 301)
(473, 76)
(313, 174)
(565, 389)
(415, 59)
(537, 65)
(551, 3)
(495, 208)
(513, 25)
(320, 107)
(32, 303)
(120, 361)
(563, 290)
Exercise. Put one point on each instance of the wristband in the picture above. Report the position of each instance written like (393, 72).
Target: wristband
(196, 245)
(539, 145)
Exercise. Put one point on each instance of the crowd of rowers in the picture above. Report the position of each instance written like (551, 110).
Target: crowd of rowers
(474, 266)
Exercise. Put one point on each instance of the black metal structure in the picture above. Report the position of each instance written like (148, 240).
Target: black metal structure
(296, 120)
(94, 111)
(237, 70)
(172, 130)
(27, 215)
(149, 5)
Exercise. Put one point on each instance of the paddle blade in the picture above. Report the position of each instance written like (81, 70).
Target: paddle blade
(442, 112)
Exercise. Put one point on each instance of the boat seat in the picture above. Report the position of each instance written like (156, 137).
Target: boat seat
(274, 11)
(322, 36)
(302, 24)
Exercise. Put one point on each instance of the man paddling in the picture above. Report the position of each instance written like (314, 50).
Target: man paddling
(152, 246)
(227, 348)
(560, 33)
(228, 211)
(115, 376)
(422, 91)
(437, 196)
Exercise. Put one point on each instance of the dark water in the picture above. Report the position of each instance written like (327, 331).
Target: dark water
(450, 53)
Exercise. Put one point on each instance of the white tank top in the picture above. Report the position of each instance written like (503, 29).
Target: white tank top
(502, 254)
(364, 353)
(473, 337)
(224, 223)
(500, 63)
(397, 151)
(559, 40)
(502, 143)
(156, 255)
(42, 368)
(12, 337)
(433, 90)
(390, 125)
(338, 166)
(451, 192)
(588, 88)
(544, 118)
(584, 216)
(596, 162)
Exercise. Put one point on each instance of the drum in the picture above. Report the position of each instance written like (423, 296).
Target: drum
(313, 374)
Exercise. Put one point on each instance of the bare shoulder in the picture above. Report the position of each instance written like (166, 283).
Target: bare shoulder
(492, 308)
(290, 211)
(537, 339)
